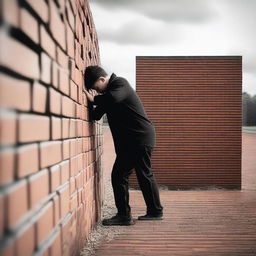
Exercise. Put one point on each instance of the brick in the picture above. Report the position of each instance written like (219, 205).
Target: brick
(56, 209)
(27, 160)
(55, 74)
(64, 201)
(10, 12)
(79, 145)
(65, 128)
(33, 128)
(80, 162)
(8, 127)
(47, 43)
(25, 240)
(8, 249)
(16, 193)
(79, 128)
(29, 25)
(63, 81)
(45, 68)
(38, 180)
(66, 236)
(73, 202)
(73, 147)
(7, 165)
(72, 184)
(72, 128)
(56, 128)
(54, 177)
(8, 44)
(78, 110)
(85, 144)
(68, 107)
(57, 26)
(73, 90)
(50, 153)
(44, 224)
(70, 16)
(62, 58)
(70, 42)
(73, 166)
(79, 180)
(55, 248)
(55, 101)
(2, 215)
(64, 167)
(39, 98)
(15, 87)
(41, 8)
(65, 149)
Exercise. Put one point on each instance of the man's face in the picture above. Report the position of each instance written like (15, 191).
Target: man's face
(100, 85)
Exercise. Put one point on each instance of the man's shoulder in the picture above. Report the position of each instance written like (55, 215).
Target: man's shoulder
(119, 81)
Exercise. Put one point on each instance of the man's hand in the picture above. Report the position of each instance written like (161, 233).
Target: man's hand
(89, 96)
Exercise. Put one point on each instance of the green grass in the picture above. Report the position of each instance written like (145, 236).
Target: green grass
(249, 129)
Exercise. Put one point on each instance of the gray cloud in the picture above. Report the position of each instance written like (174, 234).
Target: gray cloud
(166, 10)
(139, 32)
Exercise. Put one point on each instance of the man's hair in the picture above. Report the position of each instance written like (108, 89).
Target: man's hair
(91, 75)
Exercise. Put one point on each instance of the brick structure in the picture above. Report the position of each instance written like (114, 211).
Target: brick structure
(50, 158)
(195, 105)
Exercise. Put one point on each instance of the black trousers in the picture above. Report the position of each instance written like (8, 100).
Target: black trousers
(138, 158)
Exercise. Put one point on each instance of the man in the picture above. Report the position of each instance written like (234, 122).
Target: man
(134, 139)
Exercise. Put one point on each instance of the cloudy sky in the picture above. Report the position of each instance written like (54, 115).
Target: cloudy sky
(129, 28)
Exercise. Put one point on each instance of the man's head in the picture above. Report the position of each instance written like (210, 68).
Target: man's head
(95, 78)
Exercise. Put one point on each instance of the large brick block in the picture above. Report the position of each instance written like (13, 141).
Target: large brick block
(41, 8)
(25, 240)
(29, 25)
(7, 166)
(8, 127)
(18, 192)
(15, 88)
(56, 25)
(8, 44)
(36, 181)
(47, 42)
(46, 62)
(50, 153)
(55, 101)
(39, 98)
(44, 224)
(33, 128)
(27, 160)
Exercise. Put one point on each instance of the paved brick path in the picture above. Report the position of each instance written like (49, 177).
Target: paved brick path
(196, 223)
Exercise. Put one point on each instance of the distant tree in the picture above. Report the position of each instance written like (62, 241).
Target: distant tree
(249, 110)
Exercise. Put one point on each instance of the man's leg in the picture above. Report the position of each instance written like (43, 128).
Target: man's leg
(120, 182)
(147, 181)
(120, 176)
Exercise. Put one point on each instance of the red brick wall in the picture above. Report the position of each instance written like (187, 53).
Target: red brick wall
(195, 105)
(50, 158)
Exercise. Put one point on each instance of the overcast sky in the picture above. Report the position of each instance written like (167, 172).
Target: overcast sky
(129, 28)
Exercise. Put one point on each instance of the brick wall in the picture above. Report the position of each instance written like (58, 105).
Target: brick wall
(195, 105)
(50, 158)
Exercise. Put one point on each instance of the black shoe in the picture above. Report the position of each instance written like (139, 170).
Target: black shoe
(118, 220)
(149, 216)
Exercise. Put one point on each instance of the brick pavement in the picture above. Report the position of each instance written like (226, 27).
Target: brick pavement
(217, 222)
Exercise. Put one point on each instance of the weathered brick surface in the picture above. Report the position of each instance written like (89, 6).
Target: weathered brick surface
(195, 105)
(47, 163)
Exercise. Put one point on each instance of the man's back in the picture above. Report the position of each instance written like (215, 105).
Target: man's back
(127, 118)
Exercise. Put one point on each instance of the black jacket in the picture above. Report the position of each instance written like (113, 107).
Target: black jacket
(127, 118)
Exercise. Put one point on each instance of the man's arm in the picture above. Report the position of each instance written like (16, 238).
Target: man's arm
(99, 111)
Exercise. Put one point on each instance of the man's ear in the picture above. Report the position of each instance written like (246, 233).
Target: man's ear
(102, 79)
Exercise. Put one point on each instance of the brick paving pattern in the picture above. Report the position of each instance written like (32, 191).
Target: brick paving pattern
(217, 222)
